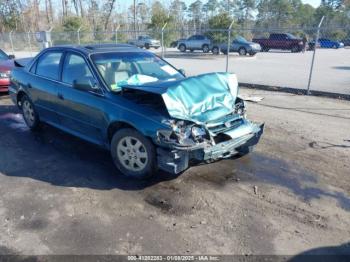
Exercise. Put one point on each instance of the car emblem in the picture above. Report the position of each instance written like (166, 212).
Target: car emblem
(228, 124)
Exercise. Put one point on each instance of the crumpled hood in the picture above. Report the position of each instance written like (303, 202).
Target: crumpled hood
(199, 98)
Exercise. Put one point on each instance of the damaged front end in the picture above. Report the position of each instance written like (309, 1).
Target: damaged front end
(188, 142)
(205, 127)
(206, 120)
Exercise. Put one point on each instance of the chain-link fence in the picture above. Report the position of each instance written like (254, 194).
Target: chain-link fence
(277, 57)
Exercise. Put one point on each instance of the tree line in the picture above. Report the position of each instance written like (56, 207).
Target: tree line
(199, 16)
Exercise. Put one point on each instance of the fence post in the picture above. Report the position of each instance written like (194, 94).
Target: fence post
(116, 34)
(313, 56)
(78, 34)
(10, 35)
(163, 38)
(30, 43)
(228, 44)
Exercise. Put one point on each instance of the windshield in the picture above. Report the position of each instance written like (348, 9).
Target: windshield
(240, 39)
(133, 68)
(290, 36)
(3, 56)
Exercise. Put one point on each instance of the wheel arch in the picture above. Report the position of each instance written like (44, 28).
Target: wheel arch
(116, 125)
(19, 97)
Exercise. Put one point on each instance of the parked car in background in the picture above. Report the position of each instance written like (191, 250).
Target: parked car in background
(175, 43)
(128, 100)
(280, 41)
(6, 65)
(327, 43)
(346, 42)
(239, 45)
(195, 42)
(145, 41)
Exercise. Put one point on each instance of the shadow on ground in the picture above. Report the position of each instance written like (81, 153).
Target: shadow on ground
(60, 159)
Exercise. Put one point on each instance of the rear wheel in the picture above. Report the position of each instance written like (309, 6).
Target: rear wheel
(133, 154)
(29, 114)
(252, 53)
(205, 48)
(147, 46)
(242, 51)
(182, 48)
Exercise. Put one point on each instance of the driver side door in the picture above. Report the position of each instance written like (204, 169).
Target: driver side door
(80, 112)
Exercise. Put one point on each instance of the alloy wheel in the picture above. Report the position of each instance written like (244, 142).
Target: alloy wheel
(132, 153)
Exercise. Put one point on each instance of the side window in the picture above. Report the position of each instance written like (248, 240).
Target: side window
(200, 37)
(192, 38)
(49, 65)
(74, 67)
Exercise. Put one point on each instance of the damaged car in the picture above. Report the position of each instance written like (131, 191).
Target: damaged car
(131, 102)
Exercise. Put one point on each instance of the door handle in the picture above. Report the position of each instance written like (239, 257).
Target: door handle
(60, 96)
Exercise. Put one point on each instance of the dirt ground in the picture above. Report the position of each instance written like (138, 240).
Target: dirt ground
(61, 195)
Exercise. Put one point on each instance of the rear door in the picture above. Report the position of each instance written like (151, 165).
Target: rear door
(43, 85)
(191, 42)
(81, 112)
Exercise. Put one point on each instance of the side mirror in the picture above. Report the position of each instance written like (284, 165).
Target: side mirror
(11, 56)
(182, 71)
(84, 84)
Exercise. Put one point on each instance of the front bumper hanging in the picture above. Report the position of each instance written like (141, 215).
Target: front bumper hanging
(176, 161)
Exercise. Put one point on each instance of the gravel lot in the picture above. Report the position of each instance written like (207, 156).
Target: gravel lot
(61, 195)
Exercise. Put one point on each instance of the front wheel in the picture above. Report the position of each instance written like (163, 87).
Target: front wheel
(147, 46)
(295, 49)
(133, 154)
(216, 50)
(30, 116)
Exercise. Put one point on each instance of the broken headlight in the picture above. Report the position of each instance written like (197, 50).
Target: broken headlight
(183, 133)
(240, 107)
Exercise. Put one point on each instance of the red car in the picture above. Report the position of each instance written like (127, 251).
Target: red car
(6, 65)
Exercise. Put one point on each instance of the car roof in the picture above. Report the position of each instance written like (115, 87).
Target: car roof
(98, 48)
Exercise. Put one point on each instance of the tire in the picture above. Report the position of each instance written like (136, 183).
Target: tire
(30, 115)
(224, 52)
(131, 160)
(205, 49)
(147, 46)
(252, 53)
(295, 49)
(242, 51)
(216, 50)
(265, 49)
(191, 50)
(182, 48)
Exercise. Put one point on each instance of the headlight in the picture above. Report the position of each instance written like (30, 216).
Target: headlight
(4, 74)
(240, 107)
(183, 133)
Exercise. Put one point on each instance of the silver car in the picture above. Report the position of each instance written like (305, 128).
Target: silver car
(239, 45)
(195, 42)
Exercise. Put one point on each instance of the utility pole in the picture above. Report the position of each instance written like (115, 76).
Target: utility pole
(135, 18)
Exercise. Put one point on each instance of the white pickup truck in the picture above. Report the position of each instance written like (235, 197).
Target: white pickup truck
(144, 41)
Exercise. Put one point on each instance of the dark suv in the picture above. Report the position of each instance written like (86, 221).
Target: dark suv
(283, 41)
(128, 100)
